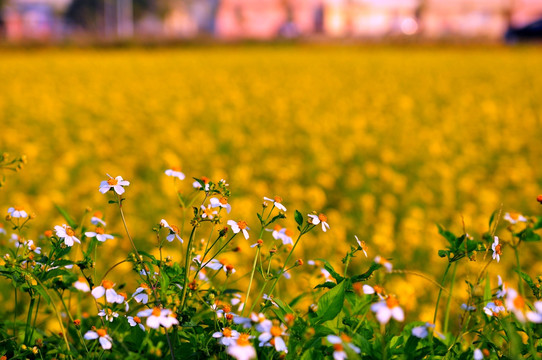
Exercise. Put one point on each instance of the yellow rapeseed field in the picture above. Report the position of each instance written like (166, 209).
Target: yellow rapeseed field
(386, 141)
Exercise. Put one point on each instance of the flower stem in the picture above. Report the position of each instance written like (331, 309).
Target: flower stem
(187, 267)
(126, 228)
(448, 303)
(440, 291)
(251, 277)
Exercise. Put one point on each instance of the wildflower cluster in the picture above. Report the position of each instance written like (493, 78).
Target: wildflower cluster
(193, 306)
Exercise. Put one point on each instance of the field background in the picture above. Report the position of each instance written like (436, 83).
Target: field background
(386, 141)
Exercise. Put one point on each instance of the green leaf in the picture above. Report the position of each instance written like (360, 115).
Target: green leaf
(260, 218)
(331, 270)
(443, 253)
(43, 293)
(487, 289)
(528, 235)
(66, 216)
(330, 304)
(298, 218)
(447, 235)
(327, 285)
(366, 275)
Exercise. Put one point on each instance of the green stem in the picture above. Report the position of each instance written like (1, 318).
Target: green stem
(35, 318)
(520, 281)
(448, 303)
(187, 267)
(126, 228)
(29, 319)
(286, 262)
(440, 291)
(251, 277)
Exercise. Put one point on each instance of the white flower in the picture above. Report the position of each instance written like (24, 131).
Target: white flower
(466, 307)
(317, 219)
(516, 304)
(361, 245)
(535, 316)
(270, 298)
(227, 336)
(134, 320)
(205, 180)
(277, 202)
(99, 234)
(327, 276)
(141, 295)
(262, 323)
(105, 340)
(275, 333)
(222, 202)
(238, 299)
(338, 346)
(496, 247)
(106, 289)
(109, 314)
(17, 212)
(208, 212)
(175, 172)
(494, 308)
(156, 317)
(173, 231)
(81, 284)
(386, 309)
(113, 183)
(242, 349)
(369, 290)
(283, 234)
(239, 226)
(380, 260)
(514, 217)
(96, 219)
(33, 247)
(65, 232)
(478, 355)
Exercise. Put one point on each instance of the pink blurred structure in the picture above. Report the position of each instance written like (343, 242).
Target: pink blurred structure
(268, 19)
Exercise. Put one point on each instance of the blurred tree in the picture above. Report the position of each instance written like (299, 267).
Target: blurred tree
(88, 15)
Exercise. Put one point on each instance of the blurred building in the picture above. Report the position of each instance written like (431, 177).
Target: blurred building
(268, 19)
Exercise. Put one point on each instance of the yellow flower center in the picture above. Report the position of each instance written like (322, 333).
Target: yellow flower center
(82, 279)
(226, 309)
(107, 284)
(98, 214)
(514, 215)
(338, 347)
(392, 302)
(346, 338)
(112, 181)
(18, 208)
(498, 302)
(100, 231)
(275, 331)
(243, 340)
(498, 250)
(205, 179)
(137, 320)
(519, 302)
(69, 231)
(322, 218)
(378, 289)
(175, 229)
(176, 168)
(226, 332)
(277, 228)
(156, 311)
(278, 199)
(101, 332)
(242, 225)
(289, 233)
(223, 200)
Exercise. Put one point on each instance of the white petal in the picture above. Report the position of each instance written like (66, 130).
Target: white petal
(98, 292)
(398, 313)
(105, 342)
(153, 322)
(91, 335)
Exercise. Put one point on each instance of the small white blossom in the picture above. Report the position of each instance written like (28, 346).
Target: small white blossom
(117, 184)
